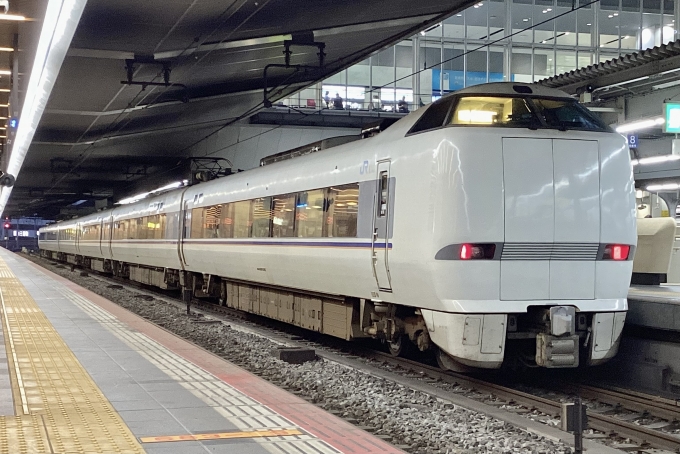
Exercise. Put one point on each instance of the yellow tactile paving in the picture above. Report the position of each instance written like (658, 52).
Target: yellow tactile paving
(59, 408)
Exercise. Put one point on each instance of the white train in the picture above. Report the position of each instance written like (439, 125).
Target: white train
(496, 223)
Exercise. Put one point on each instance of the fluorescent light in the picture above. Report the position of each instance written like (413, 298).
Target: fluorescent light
(642, 124)
(655, 159)
(11, 17)
(6, 49)
(58, 27)
(4, 90)
(666, 85)
(663, 187)
(138, 197)
(5, 72)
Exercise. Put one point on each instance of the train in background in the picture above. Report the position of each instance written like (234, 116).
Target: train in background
(21, 233)
(495, 225)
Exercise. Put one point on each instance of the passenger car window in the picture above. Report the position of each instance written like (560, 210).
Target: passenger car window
(309, 214)
(242, 219)
(211, 221)
(196, 223)
(227, 221)
(343, 208)
(284, 216)
(262, 214)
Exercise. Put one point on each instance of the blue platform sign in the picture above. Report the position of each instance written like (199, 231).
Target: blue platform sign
(632, 140)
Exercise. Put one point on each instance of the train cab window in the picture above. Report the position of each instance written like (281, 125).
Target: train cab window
(243, 221)
(211, 221)
(342, 213)
(434, 117)
(262, 215)
(283, 222)
(494, 111)
(309, 214)
(566, 114)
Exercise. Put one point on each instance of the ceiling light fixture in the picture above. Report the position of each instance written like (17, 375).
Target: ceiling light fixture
(58, 27)
(6, 49)
(5, 72)
(655, 159)
(589, 25)
(4, 90)
(11, 17)
(663, 187)
(525, 20)
(642, 124)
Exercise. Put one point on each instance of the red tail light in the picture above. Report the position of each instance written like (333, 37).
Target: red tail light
(616, 252)
(477, 251)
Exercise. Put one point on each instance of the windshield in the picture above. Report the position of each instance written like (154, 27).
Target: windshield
(564, 114)
(485, 110)
(524, 112)
(509, 111)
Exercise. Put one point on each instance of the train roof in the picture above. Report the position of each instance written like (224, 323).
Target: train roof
(513, 88)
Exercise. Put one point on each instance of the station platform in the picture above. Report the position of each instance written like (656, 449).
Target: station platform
(654, 306)
(79, 373)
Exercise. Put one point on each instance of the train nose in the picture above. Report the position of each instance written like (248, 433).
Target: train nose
(552, 219)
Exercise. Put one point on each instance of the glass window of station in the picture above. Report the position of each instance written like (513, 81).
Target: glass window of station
(475, 46)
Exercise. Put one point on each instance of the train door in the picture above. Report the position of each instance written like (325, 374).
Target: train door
(185, 224)
(109, 240)
(76, 240)
(381, 226)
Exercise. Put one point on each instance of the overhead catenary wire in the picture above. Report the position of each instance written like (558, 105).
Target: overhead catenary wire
(90, 149)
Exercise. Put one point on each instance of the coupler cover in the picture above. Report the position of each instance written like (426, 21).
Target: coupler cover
(555, 352)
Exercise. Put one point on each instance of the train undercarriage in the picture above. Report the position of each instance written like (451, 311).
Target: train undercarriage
(544, 336)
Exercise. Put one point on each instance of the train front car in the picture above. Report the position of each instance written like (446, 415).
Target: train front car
(533, 228)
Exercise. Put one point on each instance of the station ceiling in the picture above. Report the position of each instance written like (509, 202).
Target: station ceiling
(99, 134)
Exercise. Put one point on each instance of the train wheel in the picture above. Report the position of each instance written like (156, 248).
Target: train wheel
(399, 347)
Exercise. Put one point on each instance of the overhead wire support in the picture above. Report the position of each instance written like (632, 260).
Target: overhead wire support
(166, 69)
(298, 40)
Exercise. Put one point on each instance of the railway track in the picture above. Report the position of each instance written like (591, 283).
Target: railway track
(617, 419)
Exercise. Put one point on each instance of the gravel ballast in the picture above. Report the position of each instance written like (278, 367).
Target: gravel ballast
(412, 420)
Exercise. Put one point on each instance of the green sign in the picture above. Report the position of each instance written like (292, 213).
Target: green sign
(671, 112)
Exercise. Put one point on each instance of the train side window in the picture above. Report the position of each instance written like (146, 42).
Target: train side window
(162, 219)
(383, 192)
(435, 115)
(243, 221)
(262, 217)
(211, 221)
(309, 214)
(153, 225)
(284, 216)
(143, 228)
(196, 223)
(227, 221)
(342, 211)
